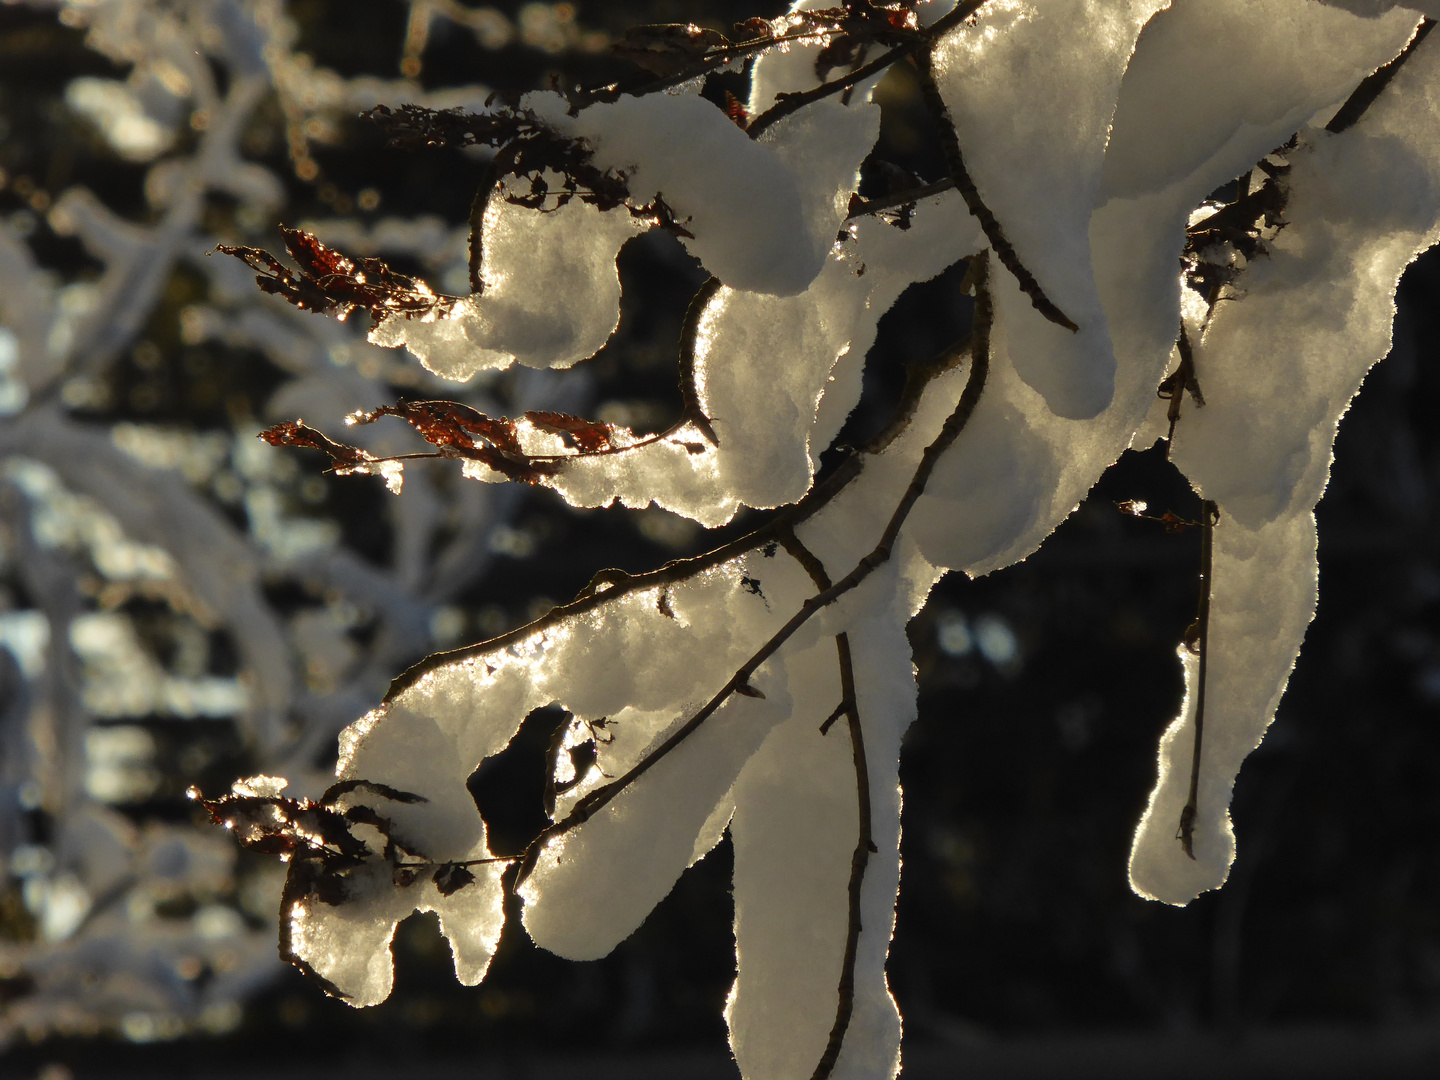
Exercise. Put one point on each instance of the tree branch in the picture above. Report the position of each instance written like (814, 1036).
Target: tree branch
(689, 338)
(1371, 86)
(862, 207)
(924, 40)
(1209, 514)
(955, 161)
(1175, 386)
(489, 181)
(849, 707)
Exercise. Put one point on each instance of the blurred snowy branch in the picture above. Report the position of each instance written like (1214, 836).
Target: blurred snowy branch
(177, 602)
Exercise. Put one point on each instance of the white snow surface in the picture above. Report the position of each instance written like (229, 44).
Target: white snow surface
(804, 354)
(764, 212)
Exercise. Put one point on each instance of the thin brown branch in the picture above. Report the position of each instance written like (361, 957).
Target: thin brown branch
(671, 573)
(859, 860)
(955, 161)
(861, 207)
(849, 708)
(1177, 384)
(591, 804)
(919, 376)
(641, 84)
(786, 104)
(1371, 86)
(1209, 515)
(489, 181)
(689, 339)
(808, 560)
(924, 40)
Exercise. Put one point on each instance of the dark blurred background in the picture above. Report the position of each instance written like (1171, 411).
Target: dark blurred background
(134, 373)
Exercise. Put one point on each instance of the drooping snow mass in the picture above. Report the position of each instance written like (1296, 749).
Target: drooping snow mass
(805, 352)
(763, 216)
(1031, 91)
(763, 212)
(1280, 369)
(1092, 131)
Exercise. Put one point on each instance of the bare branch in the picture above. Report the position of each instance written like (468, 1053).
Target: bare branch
(861, 207)
(849, 708)
(1371, 86)
(689, 339)
(955, 160)
(1209, 515)
(918, 46)
(1177, 384)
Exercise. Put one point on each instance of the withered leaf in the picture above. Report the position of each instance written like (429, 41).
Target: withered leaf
(334, 284)
(298, 433)
(588, 436)
(450, 424)
(451, 878)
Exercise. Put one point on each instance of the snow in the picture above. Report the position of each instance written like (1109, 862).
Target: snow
(1279, 369)
(1011, 487)
(807, 352)
(764, 212)
(530, 259)
(794, 831)
(1031, 91)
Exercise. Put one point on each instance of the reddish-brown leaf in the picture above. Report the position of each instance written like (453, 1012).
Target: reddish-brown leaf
(451, 424)
(298, 433)
(333, 284)
(588, 436)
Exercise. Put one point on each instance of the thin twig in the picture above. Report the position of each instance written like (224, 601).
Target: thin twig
(849, 708)
(955, 161)
(862, 207)
(1209, 515)
(672, 572)
(919, 376)
(1178, 383)
(1371, 86)
(619, 584)
(489, 181)
(923, 41)
(597, 799)
(689, 339)
(641, 83)
(859, 860)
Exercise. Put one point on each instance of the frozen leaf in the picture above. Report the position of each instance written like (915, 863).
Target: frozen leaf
(332, 284)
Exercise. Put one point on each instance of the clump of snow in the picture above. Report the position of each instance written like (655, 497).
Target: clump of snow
(1279, 368)
(551, 295)
(764, 212)
(777, 376)
(1031, 91)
